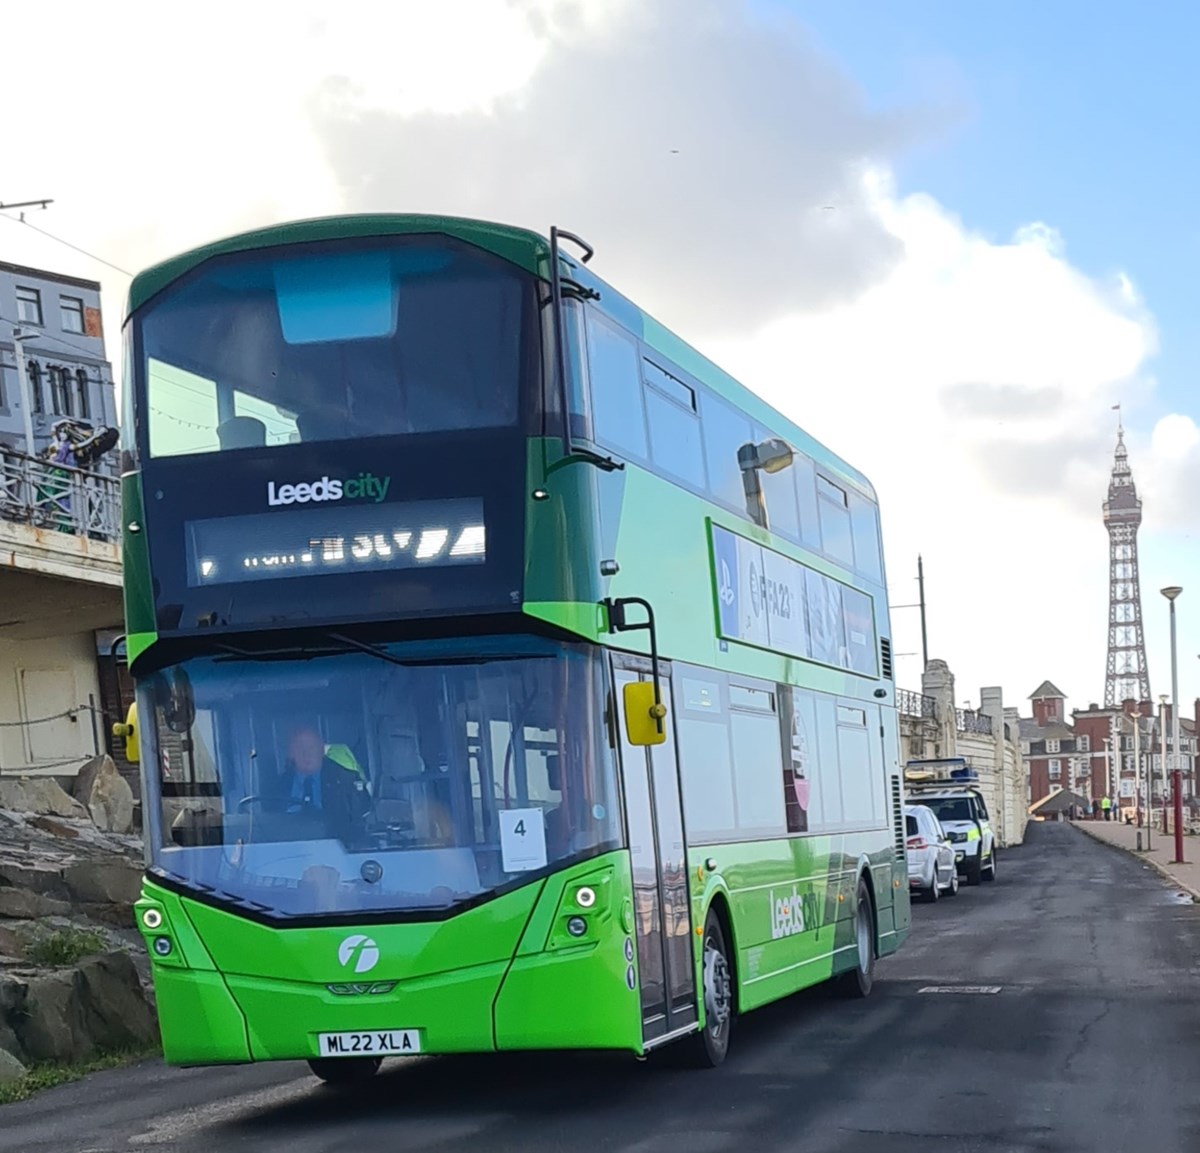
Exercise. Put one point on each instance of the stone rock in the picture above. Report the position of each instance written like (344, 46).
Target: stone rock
(12, 996)
(11, 944)
(49, 1025)
(10, 1068)
(74, 1014)
(25, 905)
(9, 1043)
(53, 827)
(42, 878)
(116, 916)
(81, 788)
(110, 800)
(38, 795)
(114, 882)
(116, 1012)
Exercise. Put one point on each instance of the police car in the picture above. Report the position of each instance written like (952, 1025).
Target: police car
(958, 804)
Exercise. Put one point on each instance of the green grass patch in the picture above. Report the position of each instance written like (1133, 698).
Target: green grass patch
(49, 1074)
(64, 946)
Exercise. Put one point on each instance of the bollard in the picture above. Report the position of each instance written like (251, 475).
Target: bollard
(1177, 787)
(1139, 840)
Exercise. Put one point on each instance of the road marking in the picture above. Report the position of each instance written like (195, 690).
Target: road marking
(961, 989)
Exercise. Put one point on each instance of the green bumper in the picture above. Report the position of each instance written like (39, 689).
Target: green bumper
(505, 975)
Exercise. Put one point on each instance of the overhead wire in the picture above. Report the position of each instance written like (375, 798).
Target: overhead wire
(68, 244)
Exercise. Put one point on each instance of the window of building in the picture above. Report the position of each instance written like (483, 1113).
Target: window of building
(81, 385)
(29, 305)
(70, 310)
(60, 391)
(1085, 745)
(1055, 769)
(34, 372)
(1052, 746)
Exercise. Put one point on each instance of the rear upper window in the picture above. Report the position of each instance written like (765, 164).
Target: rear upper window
(910, 825)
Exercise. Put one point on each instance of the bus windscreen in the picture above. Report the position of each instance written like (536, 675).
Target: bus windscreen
(335, 341)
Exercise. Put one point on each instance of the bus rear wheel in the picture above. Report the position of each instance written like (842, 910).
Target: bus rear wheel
(345, 1070)
(708, 1048)
(860, 980)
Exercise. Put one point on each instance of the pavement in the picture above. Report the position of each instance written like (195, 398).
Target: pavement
(1054, 1011)
(1161, 855)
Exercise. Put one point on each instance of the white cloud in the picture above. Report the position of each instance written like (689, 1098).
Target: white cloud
(972, 380)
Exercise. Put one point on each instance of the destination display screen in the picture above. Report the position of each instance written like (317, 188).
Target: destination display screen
(337, 538)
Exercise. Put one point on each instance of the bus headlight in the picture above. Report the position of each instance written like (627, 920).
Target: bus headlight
(152, 918)
(577, 927)
(585, 898)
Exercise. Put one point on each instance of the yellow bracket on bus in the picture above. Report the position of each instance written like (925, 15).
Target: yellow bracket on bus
(644, 715)
(128, 730)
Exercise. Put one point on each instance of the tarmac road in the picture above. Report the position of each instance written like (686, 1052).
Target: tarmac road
(1089, 1045)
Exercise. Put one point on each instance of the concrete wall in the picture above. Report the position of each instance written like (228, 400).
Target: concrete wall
(37, 679)
(1003, 773)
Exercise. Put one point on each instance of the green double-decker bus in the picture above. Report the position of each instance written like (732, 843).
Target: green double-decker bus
(508, 676)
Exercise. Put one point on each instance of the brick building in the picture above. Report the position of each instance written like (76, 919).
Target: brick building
(1092, 750)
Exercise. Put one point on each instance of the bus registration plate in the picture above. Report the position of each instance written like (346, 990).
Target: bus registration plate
(382, 1043)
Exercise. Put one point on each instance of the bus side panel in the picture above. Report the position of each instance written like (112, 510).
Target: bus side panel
(783, 897)
(792, 907)
(566, 992)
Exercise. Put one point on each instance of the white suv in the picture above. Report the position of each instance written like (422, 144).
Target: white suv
(964, 816)
(931, 866)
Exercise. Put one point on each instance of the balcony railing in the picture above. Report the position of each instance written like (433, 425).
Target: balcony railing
(913, 704)
(970, 721)
(59, 499)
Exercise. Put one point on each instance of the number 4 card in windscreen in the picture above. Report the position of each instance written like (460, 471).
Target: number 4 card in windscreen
(522, 840)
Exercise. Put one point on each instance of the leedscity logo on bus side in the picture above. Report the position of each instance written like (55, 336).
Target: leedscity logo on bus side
(365, 486)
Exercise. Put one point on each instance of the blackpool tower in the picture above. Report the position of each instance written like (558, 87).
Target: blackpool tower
(1127, 677)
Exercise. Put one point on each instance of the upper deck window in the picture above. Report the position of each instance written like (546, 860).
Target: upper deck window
(333, 341)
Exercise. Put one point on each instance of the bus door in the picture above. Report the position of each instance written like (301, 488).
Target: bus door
(662, 910)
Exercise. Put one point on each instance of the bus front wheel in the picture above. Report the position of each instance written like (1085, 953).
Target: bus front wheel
(708, 1048)
(345, 1070)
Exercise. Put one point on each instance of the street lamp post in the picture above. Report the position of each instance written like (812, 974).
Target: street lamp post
(1162, 724)
(1113, 805)
(1171, 592)
(18, 336)
(1137, 769)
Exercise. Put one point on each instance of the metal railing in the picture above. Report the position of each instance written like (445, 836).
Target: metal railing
(971, 721)
(913, 704)
(60, 499)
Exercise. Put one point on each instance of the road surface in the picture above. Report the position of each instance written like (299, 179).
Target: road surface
(1091, 1044)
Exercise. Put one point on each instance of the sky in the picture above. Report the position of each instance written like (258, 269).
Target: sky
(944, 238)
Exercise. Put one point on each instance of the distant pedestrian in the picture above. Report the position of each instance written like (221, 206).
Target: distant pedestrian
(1106, 807)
